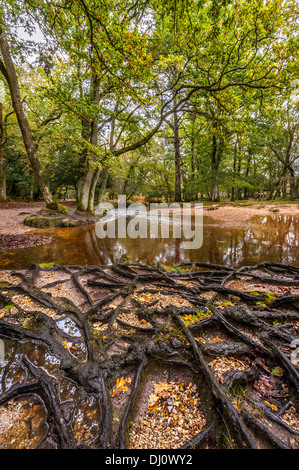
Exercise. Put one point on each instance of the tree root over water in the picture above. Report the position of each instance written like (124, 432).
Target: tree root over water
(91, 343)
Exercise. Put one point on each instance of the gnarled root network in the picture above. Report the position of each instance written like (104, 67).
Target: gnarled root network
(128, 355)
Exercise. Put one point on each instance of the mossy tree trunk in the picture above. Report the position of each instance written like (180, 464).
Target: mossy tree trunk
(3, 130)
(8, 70)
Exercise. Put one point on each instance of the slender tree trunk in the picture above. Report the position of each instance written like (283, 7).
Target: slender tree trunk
(293, 188)
(3, 196)
(177, 160)
(247, 172)
(215, 161)
(88, 182)
(94, 182)
(31, 186)
(111, 147)
(8, 70)
(284, 183)
(234, 169)
(104, 184)
(192, 176)
(239, 174)
(177, 156)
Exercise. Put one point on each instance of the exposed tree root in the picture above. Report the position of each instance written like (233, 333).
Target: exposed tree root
(91, 342)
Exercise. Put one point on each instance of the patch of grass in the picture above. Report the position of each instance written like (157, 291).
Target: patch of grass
(190, 319)
(280, 322)
(237, 395)
(97, 332)
(174, 267)
(47, 265)
(8, 307)
(247, 203)
(168, 268)
(269, 297)
(63, 209)
(226, 303)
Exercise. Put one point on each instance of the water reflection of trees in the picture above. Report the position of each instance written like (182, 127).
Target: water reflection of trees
(265, 238)
(269, 238)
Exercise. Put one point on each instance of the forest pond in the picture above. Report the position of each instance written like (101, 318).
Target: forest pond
(264, 238)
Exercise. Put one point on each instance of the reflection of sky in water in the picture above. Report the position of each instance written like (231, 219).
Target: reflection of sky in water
(69, 326)
(265, 238)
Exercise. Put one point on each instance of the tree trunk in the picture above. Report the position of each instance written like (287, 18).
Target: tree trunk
(104, 185)
(8, 70)
(177, 160)
(88, 182)
(177, 156)
(239, 175)
(2, 156)
(234, 169)
(111, 146)
(247, 172)
(3, 196)
(31, 186)
(293, 188)
(215, 161)
(94, 182)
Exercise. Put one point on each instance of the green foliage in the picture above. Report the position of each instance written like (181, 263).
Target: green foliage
(8, 307)
(277, 371)
(269, 297)
(122, 68)
(190, 319)
(237, 395)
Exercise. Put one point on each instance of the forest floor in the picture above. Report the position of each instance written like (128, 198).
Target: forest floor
(14, 234)
(132, 356)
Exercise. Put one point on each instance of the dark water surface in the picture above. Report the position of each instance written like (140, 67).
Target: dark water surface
(264, 238)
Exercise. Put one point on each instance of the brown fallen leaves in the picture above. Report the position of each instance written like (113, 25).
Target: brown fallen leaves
(173, 417)
(267, 387)
(121, 386)
(221, 365)
(291, 417)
